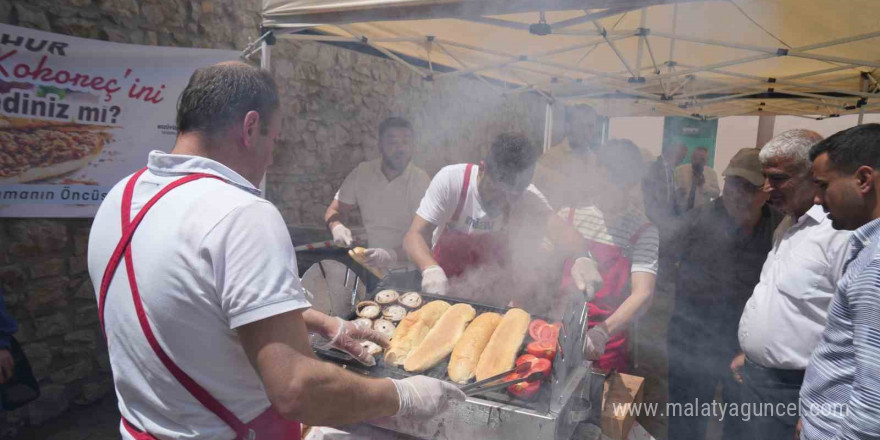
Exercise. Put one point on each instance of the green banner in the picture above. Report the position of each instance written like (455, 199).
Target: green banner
(692, 133)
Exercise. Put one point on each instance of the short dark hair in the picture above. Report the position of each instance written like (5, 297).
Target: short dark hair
(622, 159)
(851, 148)
(510, 155)
(394, 122)
(220, 95)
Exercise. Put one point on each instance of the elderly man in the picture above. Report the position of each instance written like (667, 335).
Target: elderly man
(720, 248)
(565, 172)
(206, 322)
(783, 320)
(840, 397)
(695, 183)
(387, 191)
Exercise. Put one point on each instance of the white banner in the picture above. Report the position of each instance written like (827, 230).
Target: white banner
(78, 115)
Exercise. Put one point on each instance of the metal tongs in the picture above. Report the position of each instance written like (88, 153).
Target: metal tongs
(487, 384)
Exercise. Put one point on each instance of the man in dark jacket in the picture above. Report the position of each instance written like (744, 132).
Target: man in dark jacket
(720, 248)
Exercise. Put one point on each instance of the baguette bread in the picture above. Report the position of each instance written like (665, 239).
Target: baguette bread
(357, 254)
(506, 340)
(412, 330)
(441, 339)
(467, 351)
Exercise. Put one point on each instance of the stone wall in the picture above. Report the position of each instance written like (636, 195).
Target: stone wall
(333, 101)
(43, 261)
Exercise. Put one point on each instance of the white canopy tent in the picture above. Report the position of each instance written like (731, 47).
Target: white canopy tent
(691, 58)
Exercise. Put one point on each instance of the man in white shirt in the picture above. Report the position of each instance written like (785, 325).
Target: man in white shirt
(488, 224)
(387, 191)
(206, 322)
(784, 318)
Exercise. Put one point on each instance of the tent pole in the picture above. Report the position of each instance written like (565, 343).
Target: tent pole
(265, 64)
(548, 126)
(765, 129)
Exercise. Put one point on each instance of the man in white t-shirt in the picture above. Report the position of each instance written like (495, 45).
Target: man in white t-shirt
(387, 191)
(487, 224)
(206, 321)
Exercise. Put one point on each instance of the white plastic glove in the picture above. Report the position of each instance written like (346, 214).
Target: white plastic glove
(422, 397)
(347, 337)
(380, 258)
(594, 342)
(586, 277)
(341, 235)
(434, 281)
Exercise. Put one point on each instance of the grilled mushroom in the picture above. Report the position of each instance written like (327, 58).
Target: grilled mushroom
(363, 322)
(386, 297)
(372, 347)
(368, 309)
(394, 313)
(385, 327)
(411, 300)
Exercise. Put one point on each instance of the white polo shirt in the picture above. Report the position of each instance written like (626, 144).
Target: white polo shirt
(387, 207)
(783, 320)
(209, 257)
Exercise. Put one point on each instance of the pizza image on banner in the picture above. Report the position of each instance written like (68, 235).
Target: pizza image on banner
(33, 149)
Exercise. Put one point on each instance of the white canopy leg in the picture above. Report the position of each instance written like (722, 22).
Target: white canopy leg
(265, 64)
(548, 126)
(765, 129)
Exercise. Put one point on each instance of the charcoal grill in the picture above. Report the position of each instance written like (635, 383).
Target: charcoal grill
(552, 415)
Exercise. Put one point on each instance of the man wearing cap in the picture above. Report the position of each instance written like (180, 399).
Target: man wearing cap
(783, 320)
(720, 250)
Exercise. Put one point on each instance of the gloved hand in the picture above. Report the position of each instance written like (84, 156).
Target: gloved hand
(347, 337)
(594, 342)
(380, 258)
(341, 235)
(434, 281)
(586, 277)
(422, 397)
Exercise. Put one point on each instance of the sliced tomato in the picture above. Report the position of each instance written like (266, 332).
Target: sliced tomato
(548, 333)
(542, 366)
(530, 358)
(535, 328)
(542, 349)
(525, 390)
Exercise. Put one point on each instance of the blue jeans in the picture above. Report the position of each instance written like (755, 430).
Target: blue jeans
(772, 393)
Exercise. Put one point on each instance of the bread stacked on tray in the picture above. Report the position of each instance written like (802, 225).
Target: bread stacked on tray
(480, 346)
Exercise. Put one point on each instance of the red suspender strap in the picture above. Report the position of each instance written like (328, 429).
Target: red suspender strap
(464, 189)
(124, 247)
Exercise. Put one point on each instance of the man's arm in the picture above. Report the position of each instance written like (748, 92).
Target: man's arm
(305, 389)
(415, 243)
(565, 238)
(862, 418)
(635, 304)
(335, 212)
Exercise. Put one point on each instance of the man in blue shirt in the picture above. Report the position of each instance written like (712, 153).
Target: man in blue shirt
(840, 397)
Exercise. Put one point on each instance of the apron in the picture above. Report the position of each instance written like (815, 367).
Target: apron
(615, 268)
(267, 426)
(457, 251)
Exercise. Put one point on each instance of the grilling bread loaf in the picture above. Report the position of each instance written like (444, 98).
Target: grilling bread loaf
(359, 254)
(412, 330)
(506, 340)
(467, 351)
(441, 339)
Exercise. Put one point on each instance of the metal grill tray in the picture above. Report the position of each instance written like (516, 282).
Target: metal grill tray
(541, 403)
